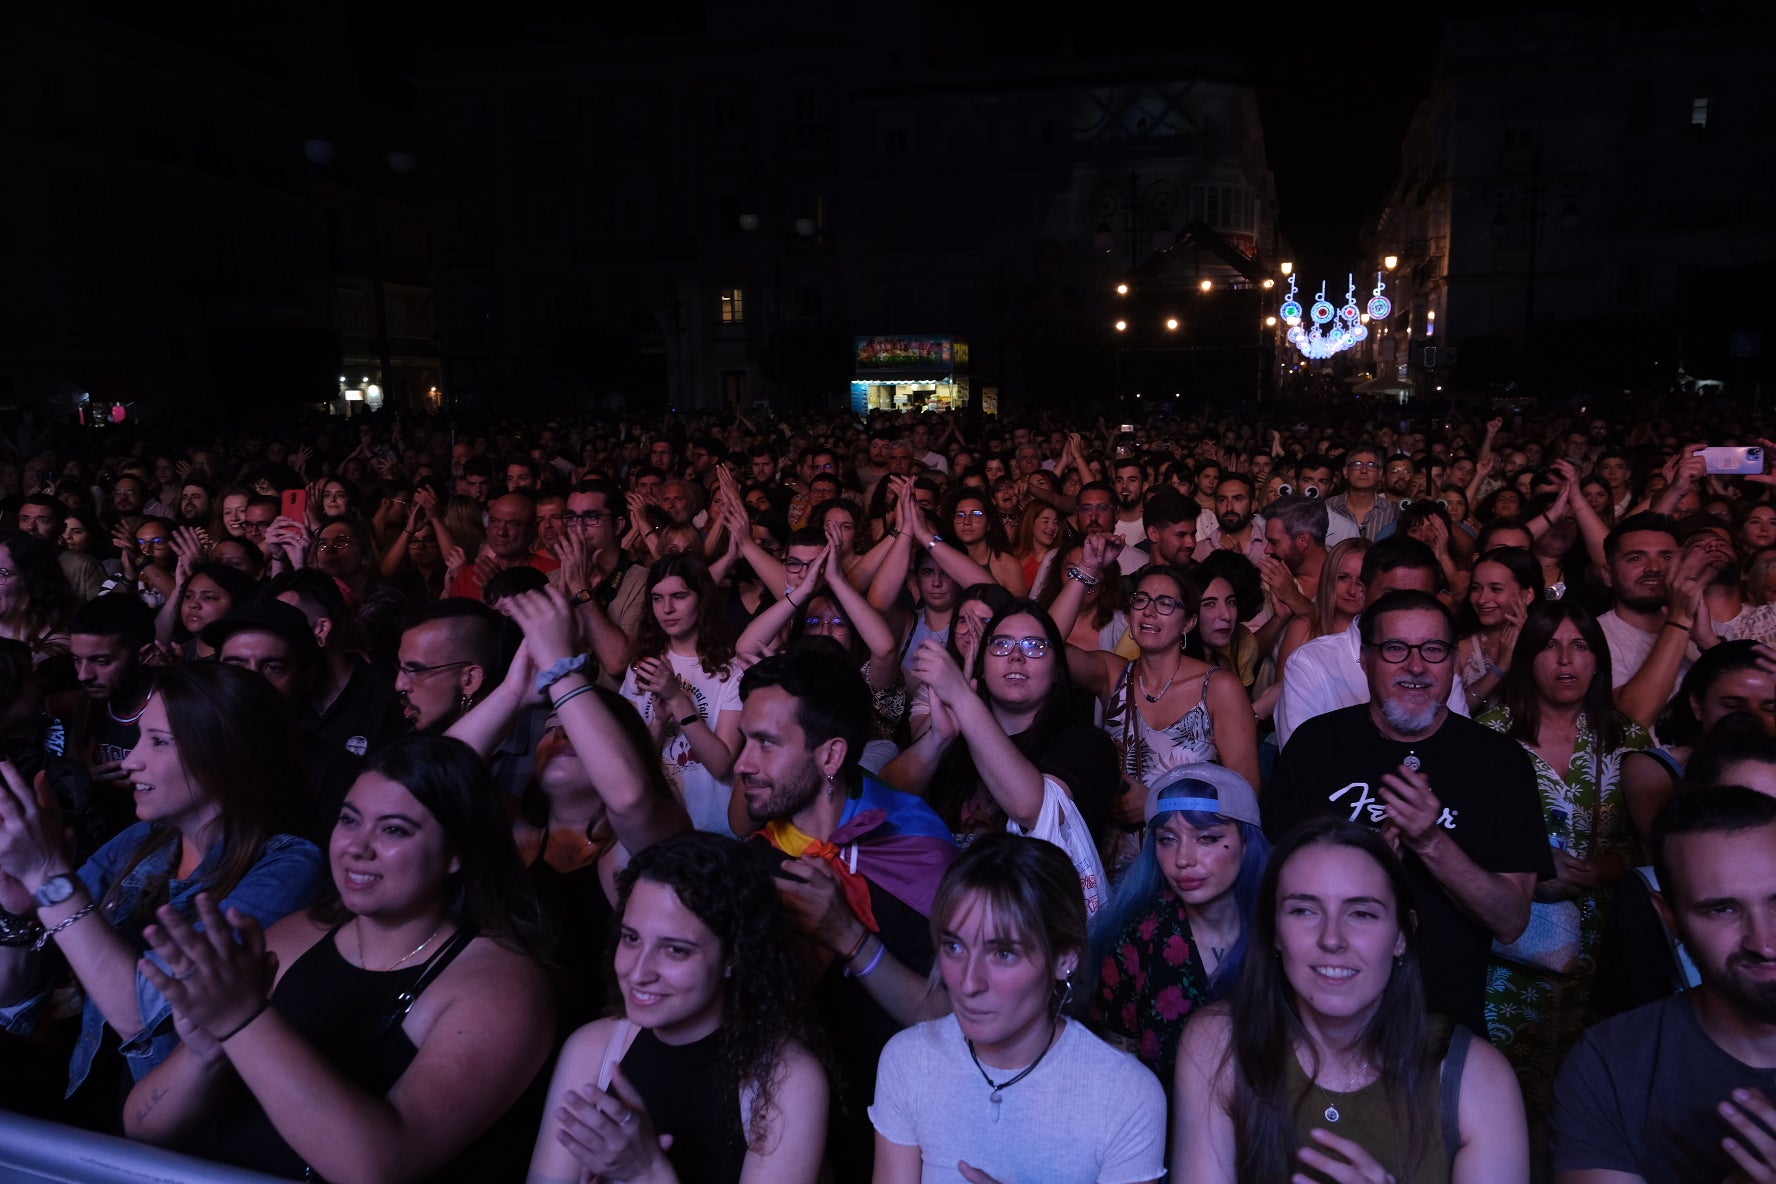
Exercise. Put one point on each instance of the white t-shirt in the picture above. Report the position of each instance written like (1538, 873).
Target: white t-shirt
(1088, 1114)
(705, 795)
(1132, 535)
(1629, 648)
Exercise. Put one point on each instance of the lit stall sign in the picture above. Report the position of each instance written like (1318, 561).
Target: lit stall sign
(911, 353)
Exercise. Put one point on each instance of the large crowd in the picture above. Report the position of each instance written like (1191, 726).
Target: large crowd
(1305, 793)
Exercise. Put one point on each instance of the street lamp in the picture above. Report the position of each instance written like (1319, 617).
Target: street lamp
(1390, 262)
(1206, 285)
(1122, 326)
(1286, 268)
(1268, 284)
(1172, 324)
(1122, 289)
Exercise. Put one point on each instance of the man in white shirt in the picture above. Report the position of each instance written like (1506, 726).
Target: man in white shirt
(1648, 634)
(1327, 673)
(1129, 484)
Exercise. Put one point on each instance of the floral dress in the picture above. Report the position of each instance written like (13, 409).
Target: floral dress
(1150, 983)
(1535, 1016)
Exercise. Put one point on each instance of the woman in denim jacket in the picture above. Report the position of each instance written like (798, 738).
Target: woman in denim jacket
(216, 779)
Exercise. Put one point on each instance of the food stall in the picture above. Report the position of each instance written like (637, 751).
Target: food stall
(910, 372)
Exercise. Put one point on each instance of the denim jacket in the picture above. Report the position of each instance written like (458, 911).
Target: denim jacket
(281, 881)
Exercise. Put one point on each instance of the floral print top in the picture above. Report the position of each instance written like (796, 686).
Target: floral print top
(1150, 983)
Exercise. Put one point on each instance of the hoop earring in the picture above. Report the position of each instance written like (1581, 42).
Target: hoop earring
(1066, 995)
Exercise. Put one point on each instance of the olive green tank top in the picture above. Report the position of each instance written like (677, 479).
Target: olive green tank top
(1364, 1117)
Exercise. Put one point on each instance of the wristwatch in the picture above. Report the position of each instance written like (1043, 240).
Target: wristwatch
(1082, 576)
(583, 596)
(55, 890)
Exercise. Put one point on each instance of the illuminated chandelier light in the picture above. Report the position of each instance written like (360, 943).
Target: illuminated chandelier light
(1333, 330)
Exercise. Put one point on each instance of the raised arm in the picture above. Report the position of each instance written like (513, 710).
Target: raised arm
(641, 810)
(1015, 783)
(866, 622)
(579, 565)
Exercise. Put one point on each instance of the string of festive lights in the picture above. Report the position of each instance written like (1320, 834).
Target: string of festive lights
(1333, 330)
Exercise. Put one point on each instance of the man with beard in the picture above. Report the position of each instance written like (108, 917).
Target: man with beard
(196, 504)
(1397, 476)
(1295, 536)
(107, 638)
(1685, 1088)
(1456, 799)
(1129, 484)
(1326, 673)
(857, 865)
(44, 515)
(1236, 527)
(1648, 642)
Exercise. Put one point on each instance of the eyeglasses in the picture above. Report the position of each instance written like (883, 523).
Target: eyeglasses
(153, 541)
(1032, 647)
(410, 670)
(1362, 464)
(1164, 605)
(1396, 652)
(589, 518)
(965, 515)
(830, 622)
(796, 567)
(328, 546)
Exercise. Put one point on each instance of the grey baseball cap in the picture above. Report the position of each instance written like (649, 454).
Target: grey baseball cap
(1210, 789)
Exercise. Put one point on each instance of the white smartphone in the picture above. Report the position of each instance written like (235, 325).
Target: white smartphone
(1740, 461)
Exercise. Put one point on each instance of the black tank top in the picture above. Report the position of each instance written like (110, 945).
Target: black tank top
(682, 1087)
(342, 1011)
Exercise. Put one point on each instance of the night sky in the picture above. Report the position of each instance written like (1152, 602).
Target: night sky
(1336, 83)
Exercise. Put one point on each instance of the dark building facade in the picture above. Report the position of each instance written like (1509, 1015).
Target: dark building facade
(716, 218)
(179, 240)
(1581, 204)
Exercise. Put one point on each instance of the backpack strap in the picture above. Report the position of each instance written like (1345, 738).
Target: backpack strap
(1451, 1082)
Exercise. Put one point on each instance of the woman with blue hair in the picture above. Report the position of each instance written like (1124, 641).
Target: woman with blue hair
(1174, 936)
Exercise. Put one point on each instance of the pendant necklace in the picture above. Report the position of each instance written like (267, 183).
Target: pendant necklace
(1141, 677)
(999, 1087)
(1331, 1111)
(1412, 762)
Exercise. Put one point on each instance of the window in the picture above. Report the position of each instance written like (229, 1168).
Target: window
(733, 306)
(1699, 113)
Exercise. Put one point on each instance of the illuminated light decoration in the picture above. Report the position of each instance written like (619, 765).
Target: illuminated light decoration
(1322, 308)
(1334, 330)
(1379, 305)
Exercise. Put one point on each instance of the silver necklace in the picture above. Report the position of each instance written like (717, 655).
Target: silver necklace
(358, 928)
(1331, 1111)
(1141, 677)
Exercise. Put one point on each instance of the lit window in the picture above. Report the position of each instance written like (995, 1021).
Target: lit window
(733, 306)
(1698, 112)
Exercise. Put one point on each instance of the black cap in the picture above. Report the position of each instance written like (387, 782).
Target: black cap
(264, 615)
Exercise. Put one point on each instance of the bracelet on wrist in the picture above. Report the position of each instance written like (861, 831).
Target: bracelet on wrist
(686, 721)
(560, 670)
(856, 948)
(71, 918)
(573, 692)
(1685, 625)
(870, 968)
(240, 1027)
